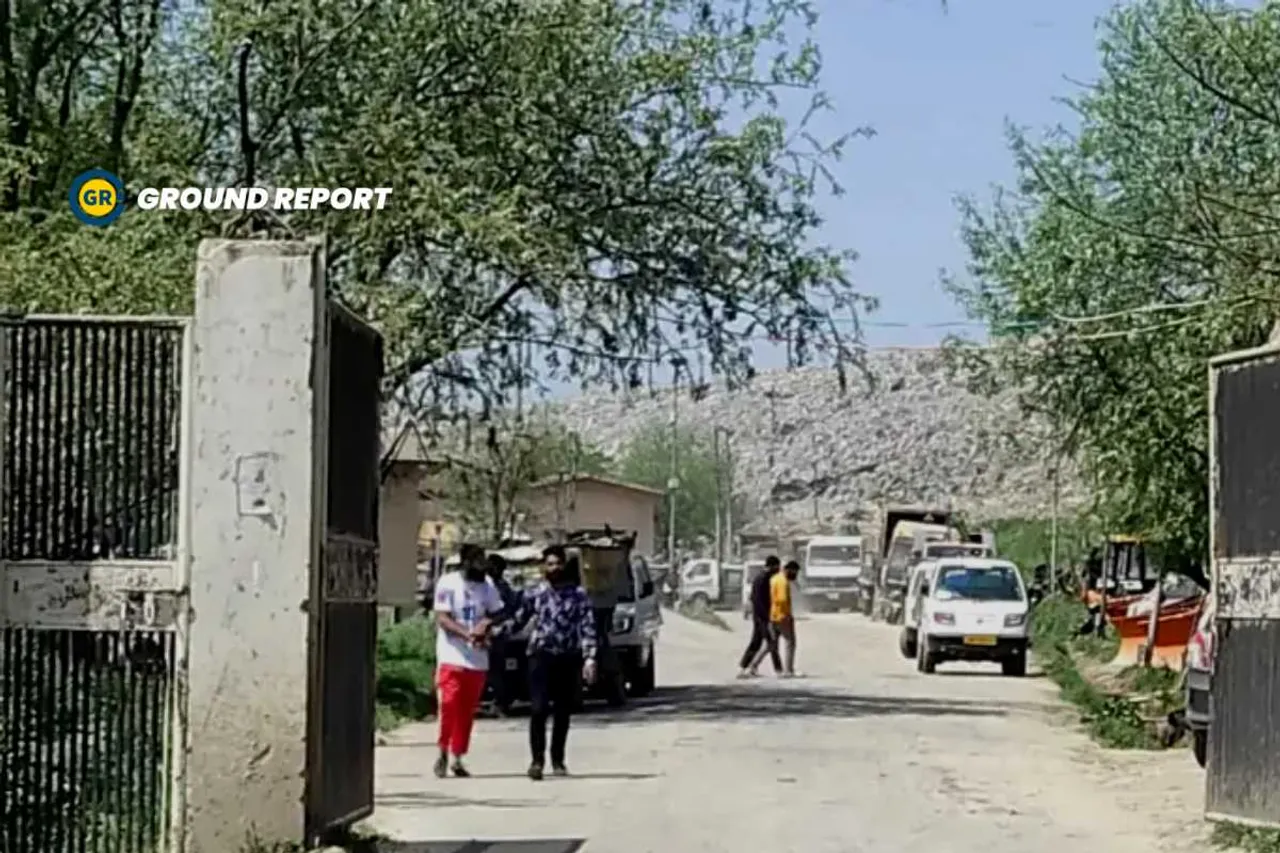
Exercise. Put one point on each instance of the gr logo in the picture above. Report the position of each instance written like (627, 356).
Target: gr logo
(96, 197)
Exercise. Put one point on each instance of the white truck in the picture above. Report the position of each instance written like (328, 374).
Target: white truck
(830, 573)
(708, 583)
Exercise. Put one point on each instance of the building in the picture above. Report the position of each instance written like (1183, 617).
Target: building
(586, 500)
(407, 471)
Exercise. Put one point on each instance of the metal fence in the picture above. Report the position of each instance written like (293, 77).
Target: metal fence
(89, 588)
(340, 776)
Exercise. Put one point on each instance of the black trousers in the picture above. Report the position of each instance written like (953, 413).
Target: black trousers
(761, 635)
(555, 688)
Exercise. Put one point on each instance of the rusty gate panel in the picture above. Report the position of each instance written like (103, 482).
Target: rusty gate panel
(90, 584)
(1243, 766)
(340, 776)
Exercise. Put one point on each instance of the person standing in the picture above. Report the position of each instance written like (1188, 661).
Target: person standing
(782, 618)
(562, 653)
(466, 607)
(762, 641)
(499, 681)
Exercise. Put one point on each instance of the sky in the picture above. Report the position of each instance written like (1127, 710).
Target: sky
(937, 88)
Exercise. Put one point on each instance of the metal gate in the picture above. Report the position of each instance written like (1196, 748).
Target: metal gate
(1244, 738)
(340, 775)
(92, 585)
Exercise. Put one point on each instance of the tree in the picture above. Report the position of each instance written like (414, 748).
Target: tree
(484, 487)
(1136, 249)
(703, 480)
(576, 193)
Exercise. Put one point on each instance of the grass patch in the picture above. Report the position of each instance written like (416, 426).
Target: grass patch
(406, 686)
(1233, 836)
(1109, 715)
(702, 613)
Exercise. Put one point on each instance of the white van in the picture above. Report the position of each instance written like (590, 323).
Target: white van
(967, 608)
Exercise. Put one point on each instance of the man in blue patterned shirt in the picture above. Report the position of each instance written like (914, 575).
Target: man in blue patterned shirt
(562, 652)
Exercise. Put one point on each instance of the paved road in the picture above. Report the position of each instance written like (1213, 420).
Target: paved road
(862, 754)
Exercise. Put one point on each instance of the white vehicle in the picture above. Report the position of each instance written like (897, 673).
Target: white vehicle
(967, 608)
(831, 571)
(710, 584)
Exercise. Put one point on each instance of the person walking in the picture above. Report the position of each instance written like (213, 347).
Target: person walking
(562, 653)
(782, 620)
(499, 680)
(467, 606)
(762, 641)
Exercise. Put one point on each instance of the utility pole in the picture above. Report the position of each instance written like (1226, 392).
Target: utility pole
(728, 503)
(673, 483)
(715, 456)
(773, 445)
(817, 509)
(1053, 533)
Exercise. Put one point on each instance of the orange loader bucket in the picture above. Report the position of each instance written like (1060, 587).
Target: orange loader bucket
(1173, 632)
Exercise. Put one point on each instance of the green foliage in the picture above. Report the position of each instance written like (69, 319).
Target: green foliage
(1112, 720)
(581, 187)
(1248, 839)
(406, 671)
(1130, 252)
(1028, 542)
(704, 481)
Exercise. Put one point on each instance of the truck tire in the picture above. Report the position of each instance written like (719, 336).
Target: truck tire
(907, 643)
(1015, 667)
(699, 601)
(926, 661)
(1200, 746)
(645, 678)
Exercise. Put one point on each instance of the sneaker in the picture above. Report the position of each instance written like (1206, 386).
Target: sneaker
(535, 772)
(559, 770)
(442, 766)
(459, 770)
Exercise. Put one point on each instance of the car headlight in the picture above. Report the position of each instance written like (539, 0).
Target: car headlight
(1015, 620)
(944, 618)
(622, 624)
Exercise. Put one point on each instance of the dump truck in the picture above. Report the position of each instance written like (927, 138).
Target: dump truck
(903, 534)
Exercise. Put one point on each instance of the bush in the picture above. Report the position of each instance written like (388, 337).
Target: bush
(1112, 720)
(406, 671)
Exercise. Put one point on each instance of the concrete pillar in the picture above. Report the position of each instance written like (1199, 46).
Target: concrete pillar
(255, 533)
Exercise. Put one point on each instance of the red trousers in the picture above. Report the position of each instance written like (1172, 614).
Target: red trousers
(459, 690)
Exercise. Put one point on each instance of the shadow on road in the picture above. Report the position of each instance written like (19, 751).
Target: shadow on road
(532, 845)
(757, 701)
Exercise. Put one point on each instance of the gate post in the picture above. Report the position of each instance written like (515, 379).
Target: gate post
(256, 534)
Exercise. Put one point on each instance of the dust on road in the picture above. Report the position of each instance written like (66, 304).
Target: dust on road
(863, 754)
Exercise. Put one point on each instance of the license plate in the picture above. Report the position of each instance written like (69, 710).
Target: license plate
(833, 596)
(512, 665)
(981, 640)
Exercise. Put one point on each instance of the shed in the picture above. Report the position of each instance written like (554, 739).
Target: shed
(574, 502)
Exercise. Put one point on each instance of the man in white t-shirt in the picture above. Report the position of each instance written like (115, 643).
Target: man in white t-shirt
(466, 605)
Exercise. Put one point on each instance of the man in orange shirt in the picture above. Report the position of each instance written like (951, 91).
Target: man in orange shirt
(782, 618)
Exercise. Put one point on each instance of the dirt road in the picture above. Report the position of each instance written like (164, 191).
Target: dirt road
(862, 754)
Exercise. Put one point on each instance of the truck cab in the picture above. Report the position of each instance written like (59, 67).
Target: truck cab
(831, 571)
(711, 584)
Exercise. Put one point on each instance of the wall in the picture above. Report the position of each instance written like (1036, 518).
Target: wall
(253, 540)
(399, 518)
(594, 505)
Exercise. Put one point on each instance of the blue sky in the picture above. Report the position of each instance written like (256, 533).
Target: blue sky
(937, 88)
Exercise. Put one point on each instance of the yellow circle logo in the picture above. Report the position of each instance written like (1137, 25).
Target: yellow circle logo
(97, 197)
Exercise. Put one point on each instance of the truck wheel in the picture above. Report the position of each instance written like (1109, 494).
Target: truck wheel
(926, 661)
(907, 644)
(1015, 666)
(644, 678)
(699, 601)
(1200, 746)
(616, 690)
